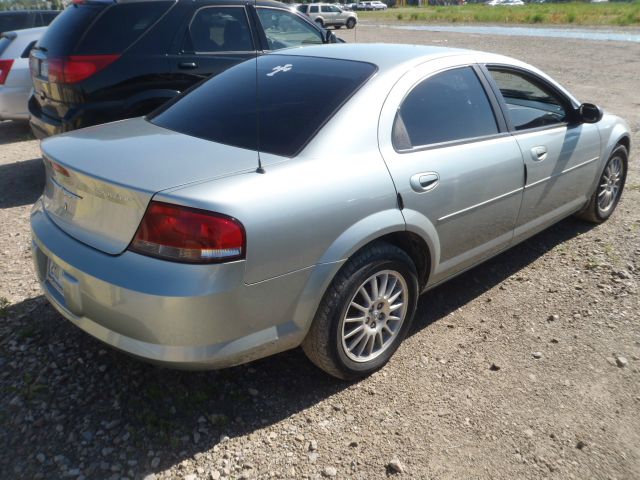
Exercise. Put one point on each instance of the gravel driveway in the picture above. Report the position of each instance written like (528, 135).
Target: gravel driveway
(525, 367)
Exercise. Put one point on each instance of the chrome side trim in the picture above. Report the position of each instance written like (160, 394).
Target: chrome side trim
(561, 173)
(481, 204)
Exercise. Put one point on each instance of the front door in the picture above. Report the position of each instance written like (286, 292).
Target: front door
(560, 155)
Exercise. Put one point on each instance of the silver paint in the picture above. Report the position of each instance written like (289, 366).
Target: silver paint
(304, 217)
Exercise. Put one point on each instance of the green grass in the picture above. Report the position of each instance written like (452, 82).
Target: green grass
(577, 13)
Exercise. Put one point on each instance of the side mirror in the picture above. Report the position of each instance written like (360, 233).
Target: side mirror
(589, 113)
(329, 37)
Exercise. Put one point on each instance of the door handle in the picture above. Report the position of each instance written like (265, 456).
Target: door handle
(424, 182)
(188, 65)
(538, 154)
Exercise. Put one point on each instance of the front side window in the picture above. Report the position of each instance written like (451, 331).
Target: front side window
(284, 29)
(530, 104)
(446, 107)
(219, 29)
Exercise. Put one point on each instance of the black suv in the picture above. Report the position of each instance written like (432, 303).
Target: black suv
(101, 61)
(21, 19)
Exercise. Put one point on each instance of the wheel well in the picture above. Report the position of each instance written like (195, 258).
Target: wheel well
(624, 141)
(416, 248)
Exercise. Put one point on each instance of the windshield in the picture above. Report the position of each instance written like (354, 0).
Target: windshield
(297, 95)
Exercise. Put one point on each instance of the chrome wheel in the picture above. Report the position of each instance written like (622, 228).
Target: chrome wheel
(374, 316)
(610, 185)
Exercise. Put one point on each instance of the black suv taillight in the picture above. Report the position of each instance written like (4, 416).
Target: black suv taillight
(75, 68)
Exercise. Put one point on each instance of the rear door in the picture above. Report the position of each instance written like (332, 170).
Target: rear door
(457, 169)
(213, 39)
(330, 14)
(560, 155)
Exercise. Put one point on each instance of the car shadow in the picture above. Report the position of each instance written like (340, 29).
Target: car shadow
(21, 183)
(14, 131)
(64, 393)
(453, 294)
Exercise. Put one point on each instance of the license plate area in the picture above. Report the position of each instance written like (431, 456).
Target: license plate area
(54, 277)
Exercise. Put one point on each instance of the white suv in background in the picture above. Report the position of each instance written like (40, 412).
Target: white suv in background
(328, 15)
(15, 77)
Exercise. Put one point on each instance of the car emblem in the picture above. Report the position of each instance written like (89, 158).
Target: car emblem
(280, 68)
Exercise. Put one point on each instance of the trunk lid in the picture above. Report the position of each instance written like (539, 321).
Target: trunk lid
(99, 180)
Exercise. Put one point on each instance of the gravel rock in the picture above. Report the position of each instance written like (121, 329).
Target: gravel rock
(329, 472)
(394, 466)
(622, 362)
(536, 355)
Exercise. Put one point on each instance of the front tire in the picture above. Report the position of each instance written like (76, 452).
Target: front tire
(365, 313)
(605, 199)
(351, 23)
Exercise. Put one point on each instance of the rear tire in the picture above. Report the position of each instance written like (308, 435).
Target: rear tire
(320, 22)
(605, 198)
(351, 23)
(351, 342)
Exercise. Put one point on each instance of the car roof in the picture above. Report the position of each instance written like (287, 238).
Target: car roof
(384, 56)
(24, 12)
(400, 57)
(262, 3)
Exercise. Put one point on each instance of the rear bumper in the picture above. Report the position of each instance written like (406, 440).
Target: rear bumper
(13, 102)
(178, 315)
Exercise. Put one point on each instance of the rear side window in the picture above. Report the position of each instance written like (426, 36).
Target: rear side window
(119, 26)
(292, 94)
(219, 29)
(446, 107)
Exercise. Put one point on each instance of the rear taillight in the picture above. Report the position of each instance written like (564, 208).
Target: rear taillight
(183, 234)
(76, 68)
(5, 66)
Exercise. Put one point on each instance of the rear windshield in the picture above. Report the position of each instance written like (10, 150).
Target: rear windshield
(296, 97)
(100, 28)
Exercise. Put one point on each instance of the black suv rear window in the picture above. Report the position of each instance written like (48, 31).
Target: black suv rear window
(100, 28)
(297, 95)
(13, 21)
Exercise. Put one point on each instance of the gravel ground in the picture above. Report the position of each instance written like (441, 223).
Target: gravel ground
(527, 366)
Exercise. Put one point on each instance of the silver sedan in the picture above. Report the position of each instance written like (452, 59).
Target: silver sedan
(239, 220)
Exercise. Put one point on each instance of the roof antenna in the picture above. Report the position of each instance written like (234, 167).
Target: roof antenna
(259, 169)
